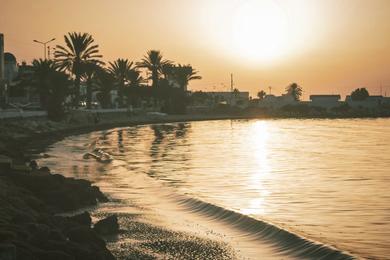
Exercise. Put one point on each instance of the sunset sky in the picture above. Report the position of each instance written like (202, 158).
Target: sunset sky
(326, 46)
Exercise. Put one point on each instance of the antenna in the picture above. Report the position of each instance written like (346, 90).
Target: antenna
(231, 88)
(231, 82)
(270, 88)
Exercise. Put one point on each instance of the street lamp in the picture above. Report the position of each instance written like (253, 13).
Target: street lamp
(44, 45)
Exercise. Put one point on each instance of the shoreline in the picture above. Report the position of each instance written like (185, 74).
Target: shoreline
(40, 140)
(31, 138)
(44, 195)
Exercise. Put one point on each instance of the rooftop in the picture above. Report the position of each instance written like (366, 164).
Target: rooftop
(325, 96)
(9, 57)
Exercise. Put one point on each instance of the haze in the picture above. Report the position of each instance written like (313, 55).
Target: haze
(327, 47)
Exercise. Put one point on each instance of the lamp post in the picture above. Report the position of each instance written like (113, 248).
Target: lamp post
(44, 45)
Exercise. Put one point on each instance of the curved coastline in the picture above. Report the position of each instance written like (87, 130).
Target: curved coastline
(282, 239)
(288, 242)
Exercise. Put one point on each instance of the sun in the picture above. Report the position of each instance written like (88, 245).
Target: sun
(259, 30)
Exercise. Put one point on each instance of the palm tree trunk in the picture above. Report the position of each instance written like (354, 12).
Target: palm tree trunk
(77, 90)
(89, 93)
(154, 79)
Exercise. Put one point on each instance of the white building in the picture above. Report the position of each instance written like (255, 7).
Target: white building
(325, 101)
(10, 67)
(238, 98)
(371, 102)
(276, 102)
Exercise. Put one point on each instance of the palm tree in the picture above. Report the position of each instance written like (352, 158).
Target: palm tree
(89, 73)
(105, 83)
(42, 70)
(135, 82)
(153, 61)
(359, 94)
(184, 74)
(120, 70)
(295, 90)
(261, 94)
(80, 48)
(52, 86)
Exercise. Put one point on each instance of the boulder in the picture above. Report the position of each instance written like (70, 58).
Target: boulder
(85, 235)
(34, 165)
(6, 235)
(50, 255)
(82, 219)
(44, 169)
(7, 252)
(107, 226)
(39, 233)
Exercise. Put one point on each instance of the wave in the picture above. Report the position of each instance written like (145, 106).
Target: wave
(283, 240)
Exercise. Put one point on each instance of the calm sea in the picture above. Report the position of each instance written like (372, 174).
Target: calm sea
(326, 180)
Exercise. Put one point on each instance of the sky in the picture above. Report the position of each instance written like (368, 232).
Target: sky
(326, 46)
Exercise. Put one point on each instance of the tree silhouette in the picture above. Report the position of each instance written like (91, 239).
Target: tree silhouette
(120, 70)
(184, 74)
(134, 90)
(359, 94)
(261, 94)
(295, 90)
(105, 83)
(154, 62)
(52, 86)
(42, 70)
(79, 49)
(89, 73)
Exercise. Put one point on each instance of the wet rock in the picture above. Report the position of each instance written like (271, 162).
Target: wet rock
(82, 219)
(107, 226)
(6, 235)
(99, 195)
(44, 170)
(7, 252)
(56, 235)
(20, 233)
(34, 165)
(39, 233)
(50, 255)
(86, 236)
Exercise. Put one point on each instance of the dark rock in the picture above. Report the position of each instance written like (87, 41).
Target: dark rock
(6, 235)
(19, 231)
(39, 233)
(24, 251)
(85, 235)
(44, 169)
(107, 226)
(7, 252)
(50, 255)
(21, 217)
(56, 235)
(82, 219)
(99, 195)
(78, 251)
(104, 254)
(33, 164)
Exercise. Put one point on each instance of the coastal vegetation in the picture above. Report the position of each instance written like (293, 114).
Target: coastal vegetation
(359, 94)
(77, 76)
(295, 90)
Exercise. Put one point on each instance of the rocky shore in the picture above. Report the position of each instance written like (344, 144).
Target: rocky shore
(32, 198)
(30, 227)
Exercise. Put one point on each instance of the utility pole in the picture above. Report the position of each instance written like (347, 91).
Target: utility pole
(231, 82)
(44, 46)
(270, 88)
(2, 80)
(231, 88)
(1, 57)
